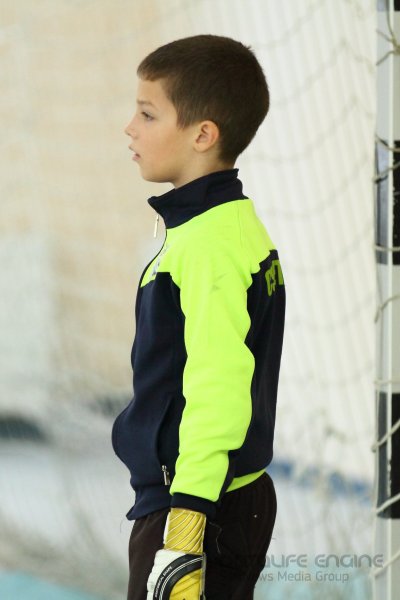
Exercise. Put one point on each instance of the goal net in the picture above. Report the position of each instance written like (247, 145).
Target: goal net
(76, 232)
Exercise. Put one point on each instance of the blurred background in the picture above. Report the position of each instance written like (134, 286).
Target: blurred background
(76, 232)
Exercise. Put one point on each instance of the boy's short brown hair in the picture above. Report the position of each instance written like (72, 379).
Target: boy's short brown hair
(216, 78)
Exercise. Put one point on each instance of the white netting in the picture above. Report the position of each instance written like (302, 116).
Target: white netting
(77, 232)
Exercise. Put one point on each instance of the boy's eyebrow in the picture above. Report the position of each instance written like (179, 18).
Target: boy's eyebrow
(141, 102)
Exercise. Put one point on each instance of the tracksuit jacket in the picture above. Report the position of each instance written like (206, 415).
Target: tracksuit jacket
(210, 311)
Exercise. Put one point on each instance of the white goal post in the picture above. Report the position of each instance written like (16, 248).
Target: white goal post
(386, 579)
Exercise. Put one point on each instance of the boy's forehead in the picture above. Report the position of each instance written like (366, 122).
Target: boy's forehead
(151, 93)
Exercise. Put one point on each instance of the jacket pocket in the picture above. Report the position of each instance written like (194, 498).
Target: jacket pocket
(136, 438)
(168, 434)
(114, 430)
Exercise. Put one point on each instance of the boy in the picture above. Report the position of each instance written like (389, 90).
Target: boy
(198, 432)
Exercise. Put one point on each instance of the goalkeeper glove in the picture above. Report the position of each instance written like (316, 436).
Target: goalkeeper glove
(179, 568)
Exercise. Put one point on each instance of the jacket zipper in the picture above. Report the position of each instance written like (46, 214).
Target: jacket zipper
(165, 471)
(156, 225)
(166, 475)
(149, 263)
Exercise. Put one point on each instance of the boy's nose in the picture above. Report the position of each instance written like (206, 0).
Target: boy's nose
(130, 131)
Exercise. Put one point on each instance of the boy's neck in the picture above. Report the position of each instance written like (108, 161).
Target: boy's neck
(199, 171)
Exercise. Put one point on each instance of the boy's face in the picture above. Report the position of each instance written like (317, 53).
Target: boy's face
(164, 151)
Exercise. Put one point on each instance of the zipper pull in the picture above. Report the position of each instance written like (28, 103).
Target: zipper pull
(166, 475)
(156, 225)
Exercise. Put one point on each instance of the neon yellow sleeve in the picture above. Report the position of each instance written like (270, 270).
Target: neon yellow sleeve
(213, 281)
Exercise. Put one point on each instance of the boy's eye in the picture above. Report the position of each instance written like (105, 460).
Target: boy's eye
(147, 116)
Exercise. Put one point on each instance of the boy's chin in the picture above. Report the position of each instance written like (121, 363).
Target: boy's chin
(156, 177)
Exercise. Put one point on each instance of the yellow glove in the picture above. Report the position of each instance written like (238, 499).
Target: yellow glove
(179, 568)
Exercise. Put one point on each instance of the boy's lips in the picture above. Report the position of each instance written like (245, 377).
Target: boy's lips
(135, 154)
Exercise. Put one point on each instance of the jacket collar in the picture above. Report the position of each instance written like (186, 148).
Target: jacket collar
(182, 204)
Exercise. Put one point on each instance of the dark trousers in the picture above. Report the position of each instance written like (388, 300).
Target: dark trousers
(235, 543)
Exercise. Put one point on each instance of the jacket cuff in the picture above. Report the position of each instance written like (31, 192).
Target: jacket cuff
(202, 505)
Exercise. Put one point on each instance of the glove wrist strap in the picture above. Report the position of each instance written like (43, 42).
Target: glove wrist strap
(184, 530)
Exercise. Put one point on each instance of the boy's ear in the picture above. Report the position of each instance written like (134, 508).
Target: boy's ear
(206, 136)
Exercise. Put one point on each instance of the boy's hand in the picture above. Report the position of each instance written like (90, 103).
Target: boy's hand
(179, 568)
